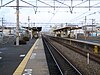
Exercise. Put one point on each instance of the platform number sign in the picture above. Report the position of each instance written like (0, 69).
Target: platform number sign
(27, 72)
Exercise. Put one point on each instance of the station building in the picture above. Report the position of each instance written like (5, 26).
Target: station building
(75, 31)
(90, 30)
(67, 31)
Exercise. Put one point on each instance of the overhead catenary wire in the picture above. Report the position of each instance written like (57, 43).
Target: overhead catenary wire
(83, 14)
(17, 17)
(54, 6)
(46, 3)
(29, 4)
(76, 7)
(79, 3)
(7, 3)
(53, 14)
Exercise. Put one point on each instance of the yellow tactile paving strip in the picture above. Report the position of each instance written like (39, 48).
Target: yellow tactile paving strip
(22, 65)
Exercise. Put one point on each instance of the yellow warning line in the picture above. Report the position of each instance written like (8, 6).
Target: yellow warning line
(22, 65)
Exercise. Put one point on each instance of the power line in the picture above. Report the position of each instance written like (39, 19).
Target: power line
(17, 16)
(87, 12)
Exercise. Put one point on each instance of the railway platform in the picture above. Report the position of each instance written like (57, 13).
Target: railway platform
(34, 62)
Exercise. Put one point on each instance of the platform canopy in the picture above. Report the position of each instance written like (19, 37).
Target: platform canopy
(34, 28)
(67, 28)
(7, 27)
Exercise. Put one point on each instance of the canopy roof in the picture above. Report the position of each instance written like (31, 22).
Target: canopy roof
(68, 28)
(34, 28)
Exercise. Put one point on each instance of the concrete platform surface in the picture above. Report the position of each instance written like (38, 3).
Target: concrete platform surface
(36, 64)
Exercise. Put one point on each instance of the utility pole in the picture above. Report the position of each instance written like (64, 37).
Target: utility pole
(85, 27)
(2, 26)
(17, 24)
(28, 26)
(17, 15)
(1, 2)
(28, 22)
(31, 32)
(89, 5)
(92, 25)
(54, 5)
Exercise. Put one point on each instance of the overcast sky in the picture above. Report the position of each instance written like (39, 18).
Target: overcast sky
(52, 15)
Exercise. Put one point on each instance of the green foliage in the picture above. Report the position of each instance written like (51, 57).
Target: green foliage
(20, 42)
(26, 38)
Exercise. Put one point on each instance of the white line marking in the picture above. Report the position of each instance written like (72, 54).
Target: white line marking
(33, 56)
(0, 58)
(23, 55)
(27, 72)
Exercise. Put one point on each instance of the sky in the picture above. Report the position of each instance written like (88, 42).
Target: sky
(46, 14)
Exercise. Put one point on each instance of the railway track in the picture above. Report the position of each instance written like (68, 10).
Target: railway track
(64, 66)
(79, 50)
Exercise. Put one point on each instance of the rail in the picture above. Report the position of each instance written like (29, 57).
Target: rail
(62, 62)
